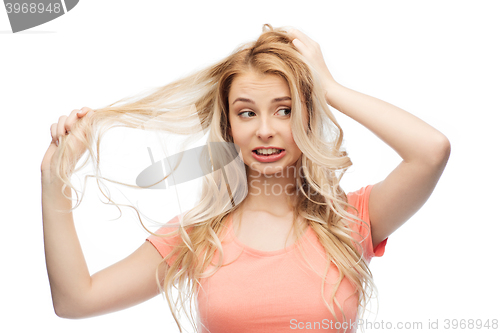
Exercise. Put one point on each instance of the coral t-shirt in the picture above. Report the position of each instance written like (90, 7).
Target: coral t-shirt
(277, 291)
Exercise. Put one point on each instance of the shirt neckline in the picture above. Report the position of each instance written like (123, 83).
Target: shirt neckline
(263, 253)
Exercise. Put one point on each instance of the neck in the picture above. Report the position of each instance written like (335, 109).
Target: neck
(273, 193)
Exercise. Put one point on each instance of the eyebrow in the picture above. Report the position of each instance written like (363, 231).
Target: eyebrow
(279, 99)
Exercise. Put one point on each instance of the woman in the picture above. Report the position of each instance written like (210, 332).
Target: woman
(291, 252)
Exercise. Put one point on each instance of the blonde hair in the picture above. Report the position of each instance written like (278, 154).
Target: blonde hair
(202, 99)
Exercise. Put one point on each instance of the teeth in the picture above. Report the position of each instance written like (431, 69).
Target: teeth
(268, 151)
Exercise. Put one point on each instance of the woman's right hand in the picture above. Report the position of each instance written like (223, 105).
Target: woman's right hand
(62, 128)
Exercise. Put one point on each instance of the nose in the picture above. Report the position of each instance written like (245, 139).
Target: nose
(265, 129)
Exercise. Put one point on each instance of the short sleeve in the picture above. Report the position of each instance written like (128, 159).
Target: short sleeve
(165, 244)
(362, 233)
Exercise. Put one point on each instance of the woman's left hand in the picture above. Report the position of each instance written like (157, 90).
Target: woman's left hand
(312, 52)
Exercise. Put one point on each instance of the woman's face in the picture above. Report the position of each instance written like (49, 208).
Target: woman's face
(259, 114)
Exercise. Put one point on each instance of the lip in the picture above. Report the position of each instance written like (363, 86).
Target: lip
(268, 159)
(261, 147)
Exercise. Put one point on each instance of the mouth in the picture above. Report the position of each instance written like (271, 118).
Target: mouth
(267, 152)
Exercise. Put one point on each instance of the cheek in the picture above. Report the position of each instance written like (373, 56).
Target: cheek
(240, 135)
(291, 141)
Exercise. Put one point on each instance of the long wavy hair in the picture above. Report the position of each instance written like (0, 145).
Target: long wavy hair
(197, 104)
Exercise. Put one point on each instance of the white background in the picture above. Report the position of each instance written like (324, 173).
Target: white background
(436, 59)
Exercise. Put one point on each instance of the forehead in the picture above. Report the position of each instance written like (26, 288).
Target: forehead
(260, 85)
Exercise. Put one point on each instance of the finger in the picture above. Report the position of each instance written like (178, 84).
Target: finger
(299, 34)
(70, 121)
(83, 111)
(298, 41)
(299, 45)
(291, 33)
(61, 130)
(53, 132)
(303, 38)
(90, 113)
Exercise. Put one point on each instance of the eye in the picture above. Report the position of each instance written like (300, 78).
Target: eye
(239, 114)
(286, 109)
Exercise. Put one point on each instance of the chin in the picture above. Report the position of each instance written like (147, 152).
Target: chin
(267, 169)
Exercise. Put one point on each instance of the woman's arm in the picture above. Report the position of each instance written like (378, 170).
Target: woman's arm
(76, 294)
(424, 150)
